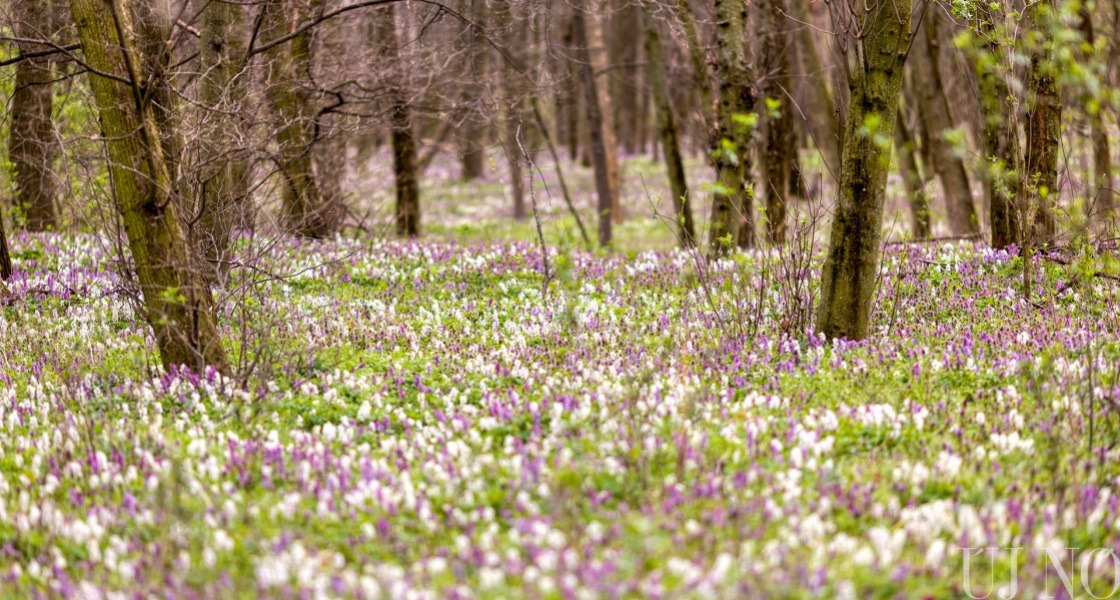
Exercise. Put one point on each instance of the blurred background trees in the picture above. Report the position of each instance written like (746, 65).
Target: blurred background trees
(190, 129)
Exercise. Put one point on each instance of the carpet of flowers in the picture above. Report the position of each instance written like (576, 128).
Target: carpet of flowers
(418, 420)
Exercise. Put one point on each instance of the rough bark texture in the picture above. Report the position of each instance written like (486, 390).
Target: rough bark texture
(849, 273)
(223, 194)
(937, 118)
(288, 69)
(1043, 134)
(1001, 141)
(32, 143)
(820, 110)
(732, 202)
(178, 304)
(152, 21)
(917, 199)
(597, 127)
(667, 130)
(781, 138)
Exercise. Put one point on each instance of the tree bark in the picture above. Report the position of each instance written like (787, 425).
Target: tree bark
(917, 199)
(781, 139)
(223, 195)
(5, 255)
(821, 108)
(512, 112)
(1043, 133)
(472, 139)
(596, 125)
(407, 209)
(32, 143)
(848, 277)
(1001, 139)
(178, 304)
(732, 219)
(667, 129)
(288, 72)
(937, 118)
(1103, 201)
(600, 61)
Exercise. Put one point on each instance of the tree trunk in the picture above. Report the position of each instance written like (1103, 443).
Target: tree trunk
(223, 196)
(5, 255)
(821, 107)
(288, 72)
(32, 143)
(667, 129)
(472, 140)
(917, 199)
(780, 141)
(1043, 132)
(178, 304)
(937, 118)
(152, 19)
(597, 127)
(600, 61)
(512, 111)
(407, 210)
(1103, 201)
(732, 219)
(848, 277)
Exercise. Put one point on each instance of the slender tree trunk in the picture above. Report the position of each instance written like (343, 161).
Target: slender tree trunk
(699, 66)
(1001, 140)
(512, 112)
(667, 129)
(5, 255)
(937, 118)
(732, 219)
(848, 277)
(780, 141)
(917, 200)
(152, 19)
(407, 210)
(1043, 132)
(32, 143)
(596, 125)
(288, 71)
(821, 108)
(1102, 196)
(472, 140)
(177, 302)
(223, 196)
(600, 61)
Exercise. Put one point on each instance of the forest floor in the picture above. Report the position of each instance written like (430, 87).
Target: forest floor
(419, 419)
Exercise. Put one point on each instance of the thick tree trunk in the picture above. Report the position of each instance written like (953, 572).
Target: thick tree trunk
(596, 125)
(1043, 133)
(32, 143)
(288, 70)
(1001, 139)
(821, 108)
(667, 130)
(917, 199)
(937, 118)
(177, 302)
(732, 221)
(848, 276)
(223, 197)
(781, 139)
